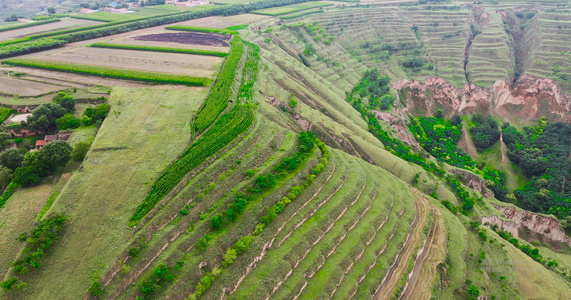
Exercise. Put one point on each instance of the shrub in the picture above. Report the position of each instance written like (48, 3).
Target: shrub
(216, 223)
(243, 244)
(134, 252)
(12, 158)
(292, 101)
(229, 257)
(96, 289)
(26, 176)
(68, 121)
(86, 121)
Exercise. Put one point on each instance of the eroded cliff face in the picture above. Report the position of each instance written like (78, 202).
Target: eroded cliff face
(545, 229)
(399, 124)
(473, 181)
(530, 99)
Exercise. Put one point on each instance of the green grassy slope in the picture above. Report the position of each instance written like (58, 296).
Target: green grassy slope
(139, 138)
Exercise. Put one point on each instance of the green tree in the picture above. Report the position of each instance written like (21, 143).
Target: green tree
(229, 257)
(68, 121)
(5, 177)
(55, 155)
(67, 102)
(44, 116)
(26, 176)
(80, 150)
(5, 140)
(456, 120)
(12, 158)
(533, 161)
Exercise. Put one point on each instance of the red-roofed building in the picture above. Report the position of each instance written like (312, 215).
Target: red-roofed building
(50, 137)
(40, 144)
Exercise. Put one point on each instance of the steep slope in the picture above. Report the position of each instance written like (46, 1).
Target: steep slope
(314, 198)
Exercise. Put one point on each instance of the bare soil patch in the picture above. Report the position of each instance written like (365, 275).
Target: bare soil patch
(26, 88)
(66, 23)
(173, 63)
(198, 38)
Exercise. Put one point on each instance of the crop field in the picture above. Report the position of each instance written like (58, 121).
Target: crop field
(276, 11)
(26, 88)
(178, 39)
(141, 13)
(224, 22)
(170, 63)
(66, 23)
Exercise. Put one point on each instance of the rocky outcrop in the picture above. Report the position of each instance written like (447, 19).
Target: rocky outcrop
(530, 99)
(546, 229)
(400, 127)
(473, 181)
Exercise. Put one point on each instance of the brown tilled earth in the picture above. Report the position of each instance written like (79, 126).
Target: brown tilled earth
(198, 38)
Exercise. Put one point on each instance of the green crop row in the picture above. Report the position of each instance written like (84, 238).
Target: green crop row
(55, 16)
(29, 24)
(220, 94)
(110, 72)
(200, 29)
(250, 73)
(160, 49)
(224, 131)
(28, 46)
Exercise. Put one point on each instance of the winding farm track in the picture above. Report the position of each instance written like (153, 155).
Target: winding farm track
(430, 255)
(395, 273)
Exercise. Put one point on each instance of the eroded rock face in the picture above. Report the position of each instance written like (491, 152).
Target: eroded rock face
(545, 227)
(530, 99)
(400, 126)
(473, 181)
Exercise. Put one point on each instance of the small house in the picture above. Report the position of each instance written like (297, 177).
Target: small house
(23, 133)
(40, 144)
(50, 137)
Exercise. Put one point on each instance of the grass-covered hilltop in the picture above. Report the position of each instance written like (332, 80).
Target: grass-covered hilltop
(285, 149)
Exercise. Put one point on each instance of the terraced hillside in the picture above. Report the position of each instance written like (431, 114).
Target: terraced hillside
(291, 170)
